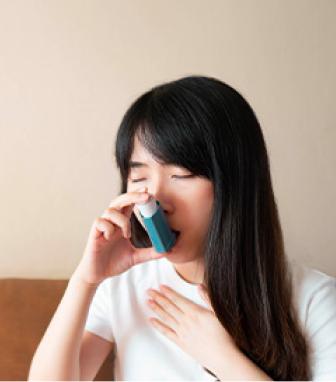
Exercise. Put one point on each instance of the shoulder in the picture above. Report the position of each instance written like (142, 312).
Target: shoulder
(313, 291)
(307, 281)
(315, 298)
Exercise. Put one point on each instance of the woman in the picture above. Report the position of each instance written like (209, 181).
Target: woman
(223, 303)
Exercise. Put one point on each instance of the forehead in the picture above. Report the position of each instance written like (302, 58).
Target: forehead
(140, 154)
(139, 151)
(141, 158)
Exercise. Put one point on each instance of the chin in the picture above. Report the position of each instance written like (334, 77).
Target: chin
(175, 258)
(179, 257)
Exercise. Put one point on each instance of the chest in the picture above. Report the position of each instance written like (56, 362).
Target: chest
(144, 353)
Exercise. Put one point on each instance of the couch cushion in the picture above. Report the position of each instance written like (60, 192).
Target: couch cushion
(26, 308)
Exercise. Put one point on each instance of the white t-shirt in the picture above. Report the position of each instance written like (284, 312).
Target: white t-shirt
(119, 313)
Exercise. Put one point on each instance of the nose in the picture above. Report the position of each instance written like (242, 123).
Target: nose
(161, 194)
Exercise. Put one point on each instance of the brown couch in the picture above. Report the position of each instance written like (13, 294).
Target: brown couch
(26, 308)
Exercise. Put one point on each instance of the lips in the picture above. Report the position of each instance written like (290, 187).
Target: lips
(177, 233)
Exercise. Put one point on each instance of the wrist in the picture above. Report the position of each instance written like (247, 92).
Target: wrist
(79, 279)
(225, 357)
(236, 365)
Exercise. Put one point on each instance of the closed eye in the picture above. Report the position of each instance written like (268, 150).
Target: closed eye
(174, 176)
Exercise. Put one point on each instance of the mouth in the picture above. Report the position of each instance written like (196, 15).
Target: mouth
(177, 233)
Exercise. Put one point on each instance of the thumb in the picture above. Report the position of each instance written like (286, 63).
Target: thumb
(141, 255)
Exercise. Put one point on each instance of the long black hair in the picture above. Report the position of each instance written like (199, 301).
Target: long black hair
(204, 125)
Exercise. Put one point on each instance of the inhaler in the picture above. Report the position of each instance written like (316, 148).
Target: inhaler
(154, 219)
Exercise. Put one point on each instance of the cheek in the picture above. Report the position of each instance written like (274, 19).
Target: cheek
(131, 187)
(206, 198)
(200, 208)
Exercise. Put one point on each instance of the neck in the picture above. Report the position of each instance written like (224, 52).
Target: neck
(191, 272)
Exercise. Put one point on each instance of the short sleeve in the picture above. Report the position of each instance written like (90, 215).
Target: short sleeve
(321, 325)
(99, 316)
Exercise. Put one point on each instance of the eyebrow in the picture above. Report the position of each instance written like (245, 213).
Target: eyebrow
(136, 164)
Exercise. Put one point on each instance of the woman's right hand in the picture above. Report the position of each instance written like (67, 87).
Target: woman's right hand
(108, 251)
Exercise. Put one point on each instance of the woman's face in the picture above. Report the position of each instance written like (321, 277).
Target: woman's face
(186, 200)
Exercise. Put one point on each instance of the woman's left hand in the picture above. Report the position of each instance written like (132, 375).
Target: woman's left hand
(195, 329)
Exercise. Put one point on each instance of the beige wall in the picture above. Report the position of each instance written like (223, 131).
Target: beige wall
(69, 69)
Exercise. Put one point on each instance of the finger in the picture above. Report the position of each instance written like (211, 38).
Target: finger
(142, 255)
(180, 301)
(164, 329)
(102, 226)
(163, 314)
(118, 219)
(130, 198)
(165, 304)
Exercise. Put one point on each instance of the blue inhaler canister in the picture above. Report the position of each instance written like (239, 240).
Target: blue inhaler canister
(154, 219)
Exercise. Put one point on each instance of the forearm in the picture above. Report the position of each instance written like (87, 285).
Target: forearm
(236, 366)
(57, 356)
